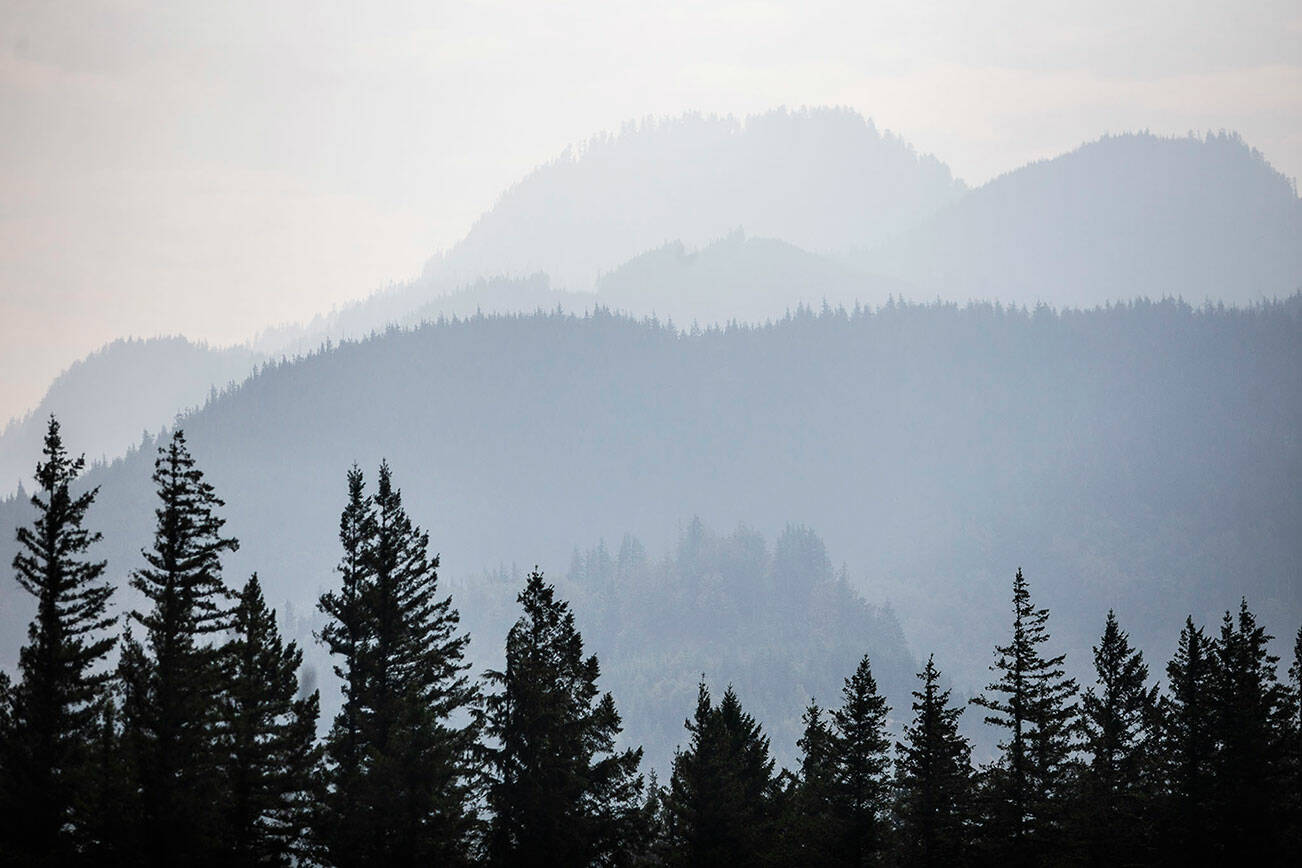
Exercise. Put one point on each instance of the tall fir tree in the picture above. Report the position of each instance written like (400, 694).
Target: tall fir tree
(1034, 700)
(811, 828)
(1118, 785)
(1249, 771)
(559, 791)
(407, 700)
(933, 779)
(1189, 748)
(51, 716)
(269, 754)
(721, 800)
(1292, 725)
(342, 820)
(863, 761)
(172, 682)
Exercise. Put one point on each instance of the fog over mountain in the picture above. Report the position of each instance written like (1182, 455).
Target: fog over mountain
(822, 179)
(109, 399)
(708, 220)
(1125, 216)
(1142, 457)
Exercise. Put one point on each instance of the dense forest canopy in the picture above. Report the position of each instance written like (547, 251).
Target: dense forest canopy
(1140, 456)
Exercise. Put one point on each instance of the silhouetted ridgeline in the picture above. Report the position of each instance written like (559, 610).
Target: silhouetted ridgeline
(193, 736)
(1143, 456)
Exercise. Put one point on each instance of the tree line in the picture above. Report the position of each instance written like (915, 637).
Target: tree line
(199, 744)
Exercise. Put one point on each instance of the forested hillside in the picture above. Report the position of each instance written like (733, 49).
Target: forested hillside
(109, 399)
(1141, 456)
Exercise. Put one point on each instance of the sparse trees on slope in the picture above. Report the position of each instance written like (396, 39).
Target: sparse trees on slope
(721, 796)
(51, 712)
(933, 779)
(1120, 738)
(269, 754)
(171, 683)
(559, 791)
(1033, 700)
(400, 772)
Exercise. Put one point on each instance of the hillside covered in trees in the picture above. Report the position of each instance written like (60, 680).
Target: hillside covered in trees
(1141, 456)
(191, 736)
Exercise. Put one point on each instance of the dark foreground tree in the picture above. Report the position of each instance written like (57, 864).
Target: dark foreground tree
(172, 682)
(1031, 698)
(721, 804)
(1248, 767)
(1189, 748)
(933, 779)
(1292, 728)
(862, 788)
(49, 723)
(559, 791)
(811, 828)
(342, 821)
(268, 746)
(1118, 785)
(400, 770)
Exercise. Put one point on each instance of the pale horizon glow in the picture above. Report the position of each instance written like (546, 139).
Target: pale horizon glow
(214, 169)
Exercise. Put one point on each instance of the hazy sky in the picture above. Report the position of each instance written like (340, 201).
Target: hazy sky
(210, 168)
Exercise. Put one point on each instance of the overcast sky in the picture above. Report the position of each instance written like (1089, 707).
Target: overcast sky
(210, 168)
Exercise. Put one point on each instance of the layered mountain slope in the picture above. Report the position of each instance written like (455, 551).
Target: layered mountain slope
(822, 179)
(738, 278)
(108, 399)
(1124, 217)
(1143, 457)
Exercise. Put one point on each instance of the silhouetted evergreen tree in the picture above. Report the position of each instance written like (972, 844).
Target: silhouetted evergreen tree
(1032, 699)
(933, 779)
(113, 823)
(559, 791)
(721, 795)
(50, 713)
(862, 762)
(1248, 766)
(1189, 748)
(268, 750)
(342, 820)
(172, 683)
(1119, 721)
(408, 802)
(811, 828)
(1292, 726)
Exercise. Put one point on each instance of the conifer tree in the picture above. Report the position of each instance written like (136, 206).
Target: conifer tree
(407, 801)
(1292, 726)
(1119, 723)
(346, 635)
(268, 750)
(559, 791)
(811, 828)
(1189, 747)
(863, 759)
(51, 712)
(933, 779)
(1032, 698)
(720, 803)
(172, 682)
(1248, 766)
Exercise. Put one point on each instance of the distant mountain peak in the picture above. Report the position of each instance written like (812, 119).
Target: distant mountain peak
(824, 179)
